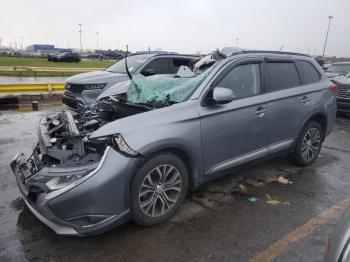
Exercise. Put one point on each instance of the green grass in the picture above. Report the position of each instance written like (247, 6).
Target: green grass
(37, 74)
(42, 62)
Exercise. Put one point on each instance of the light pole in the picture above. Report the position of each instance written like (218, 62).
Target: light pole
(96, 40)
(237, 41)
(325, 42)
(80, 31)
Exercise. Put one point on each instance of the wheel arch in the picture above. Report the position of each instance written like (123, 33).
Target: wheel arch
(192, 165)
(320, 118)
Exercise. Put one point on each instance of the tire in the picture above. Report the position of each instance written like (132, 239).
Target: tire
(308, 144)
(151, 201)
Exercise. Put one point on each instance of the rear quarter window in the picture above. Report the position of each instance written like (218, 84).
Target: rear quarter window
(308, 73)
(282, 75)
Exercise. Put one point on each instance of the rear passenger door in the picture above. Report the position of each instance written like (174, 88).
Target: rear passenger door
(288, 106)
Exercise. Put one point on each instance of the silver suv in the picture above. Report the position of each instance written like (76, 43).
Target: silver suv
(92, 84)
(89, 174)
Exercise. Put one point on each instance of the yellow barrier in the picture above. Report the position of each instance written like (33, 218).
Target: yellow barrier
(31, 88)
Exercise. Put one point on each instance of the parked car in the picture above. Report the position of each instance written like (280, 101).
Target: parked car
(337, 69)
(65, 57)
(97, 82)
(338, 249)
(91, 172)
(343, 94)
(50, 56)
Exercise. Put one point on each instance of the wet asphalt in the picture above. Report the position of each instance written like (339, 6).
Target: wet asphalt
(228, 219)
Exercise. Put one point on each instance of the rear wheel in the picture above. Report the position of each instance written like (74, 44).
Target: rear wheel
(309, 144)
(158, 189)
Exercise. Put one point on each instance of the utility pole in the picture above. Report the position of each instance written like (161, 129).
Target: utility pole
(325, 42)
(237, 41)
(80, 32)
(96, 40)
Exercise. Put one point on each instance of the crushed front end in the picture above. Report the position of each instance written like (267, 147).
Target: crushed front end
(68, 178)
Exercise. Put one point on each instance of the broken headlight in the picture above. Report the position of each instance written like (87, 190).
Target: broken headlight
(47, 184)
(94, 86)
(118, 143)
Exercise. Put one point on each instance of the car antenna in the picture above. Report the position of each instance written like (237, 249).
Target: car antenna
(126, 63)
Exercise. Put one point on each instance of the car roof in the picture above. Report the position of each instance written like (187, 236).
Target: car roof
(164, 55)
(269, 52)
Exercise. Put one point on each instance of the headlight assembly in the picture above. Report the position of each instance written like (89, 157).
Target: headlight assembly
(50, 183)
(119, 143)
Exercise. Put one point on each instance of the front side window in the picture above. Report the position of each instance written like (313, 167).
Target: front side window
(243, 80)
(156, 67)
(282, 75)
(177, 62)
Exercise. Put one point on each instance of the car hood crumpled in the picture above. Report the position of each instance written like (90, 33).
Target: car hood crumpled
(96, 77)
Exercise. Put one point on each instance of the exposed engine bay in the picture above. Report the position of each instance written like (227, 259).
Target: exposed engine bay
(64, 137)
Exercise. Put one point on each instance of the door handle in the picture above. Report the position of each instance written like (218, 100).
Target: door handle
(305, 99)
(260, 111)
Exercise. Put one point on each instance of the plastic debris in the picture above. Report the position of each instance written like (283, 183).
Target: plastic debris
(273, 202)
(286, 203)
(243, 188)
(252, 199)
(283, 180)
(254, 182)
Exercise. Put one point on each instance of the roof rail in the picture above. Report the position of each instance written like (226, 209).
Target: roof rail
(269, 52)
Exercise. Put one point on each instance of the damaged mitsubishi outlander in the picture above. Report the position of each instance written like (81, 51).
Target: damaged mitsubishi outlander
(136, 155)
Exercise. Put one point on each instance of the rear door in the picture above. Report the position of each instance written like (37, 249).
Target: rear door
(289, 106)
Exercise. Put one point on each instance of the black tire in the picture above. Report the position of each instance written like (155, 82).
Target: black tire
(138, 214)
(297, 156)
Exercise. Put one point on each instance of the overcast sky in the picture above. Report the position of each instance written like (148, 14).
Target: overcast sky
(180, 25)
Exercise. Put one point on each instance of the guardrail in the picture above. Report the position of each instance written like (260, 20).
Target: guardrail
(46, 69)
(31, 88)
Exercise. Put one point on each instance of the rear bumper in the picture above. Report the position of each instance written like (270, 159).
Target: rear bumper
(90, 207)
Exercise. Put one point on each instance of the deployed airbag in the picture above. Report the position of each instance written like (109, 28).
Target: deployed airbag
(146, 90)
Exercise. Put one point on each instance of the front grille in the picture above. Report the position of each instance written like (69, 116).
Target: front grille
(75, 88)
(70, 103)
(344, 91)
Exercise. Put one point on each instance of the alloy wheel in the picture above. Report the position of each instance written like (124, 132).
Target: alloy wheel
(160, 190)
(311, 144)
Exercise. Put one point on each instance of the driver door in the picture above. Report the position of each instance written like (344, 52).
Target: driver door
(234, 133)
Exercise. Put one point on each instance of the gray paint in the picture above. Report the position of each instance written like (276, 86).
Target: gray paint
(213, 138)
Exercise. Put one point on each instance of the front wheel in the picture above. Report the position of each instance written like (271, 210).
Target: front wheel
(309, 144)
(158, 189)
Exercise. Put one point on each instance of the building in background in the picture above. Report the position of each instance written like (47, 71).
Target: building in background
(46, 49)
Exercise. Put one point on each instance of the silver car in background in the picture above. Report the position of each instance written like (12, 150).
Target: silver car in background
(137, 155)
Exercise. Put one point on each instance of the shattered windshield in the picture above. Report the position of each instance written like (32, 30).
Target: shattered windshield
(134, 63)
(151, 90)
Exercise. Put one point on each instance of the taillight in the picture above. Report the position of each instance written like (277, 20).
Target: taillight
(334, 89)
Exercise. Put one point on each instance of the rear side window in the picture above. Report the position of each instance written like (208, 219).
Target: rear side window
(282, 75)
(308, 73)
(177, 62)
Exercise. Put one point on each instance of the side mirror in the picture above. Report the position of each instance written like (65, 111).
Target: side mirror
(222, 95)
(149, 72)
